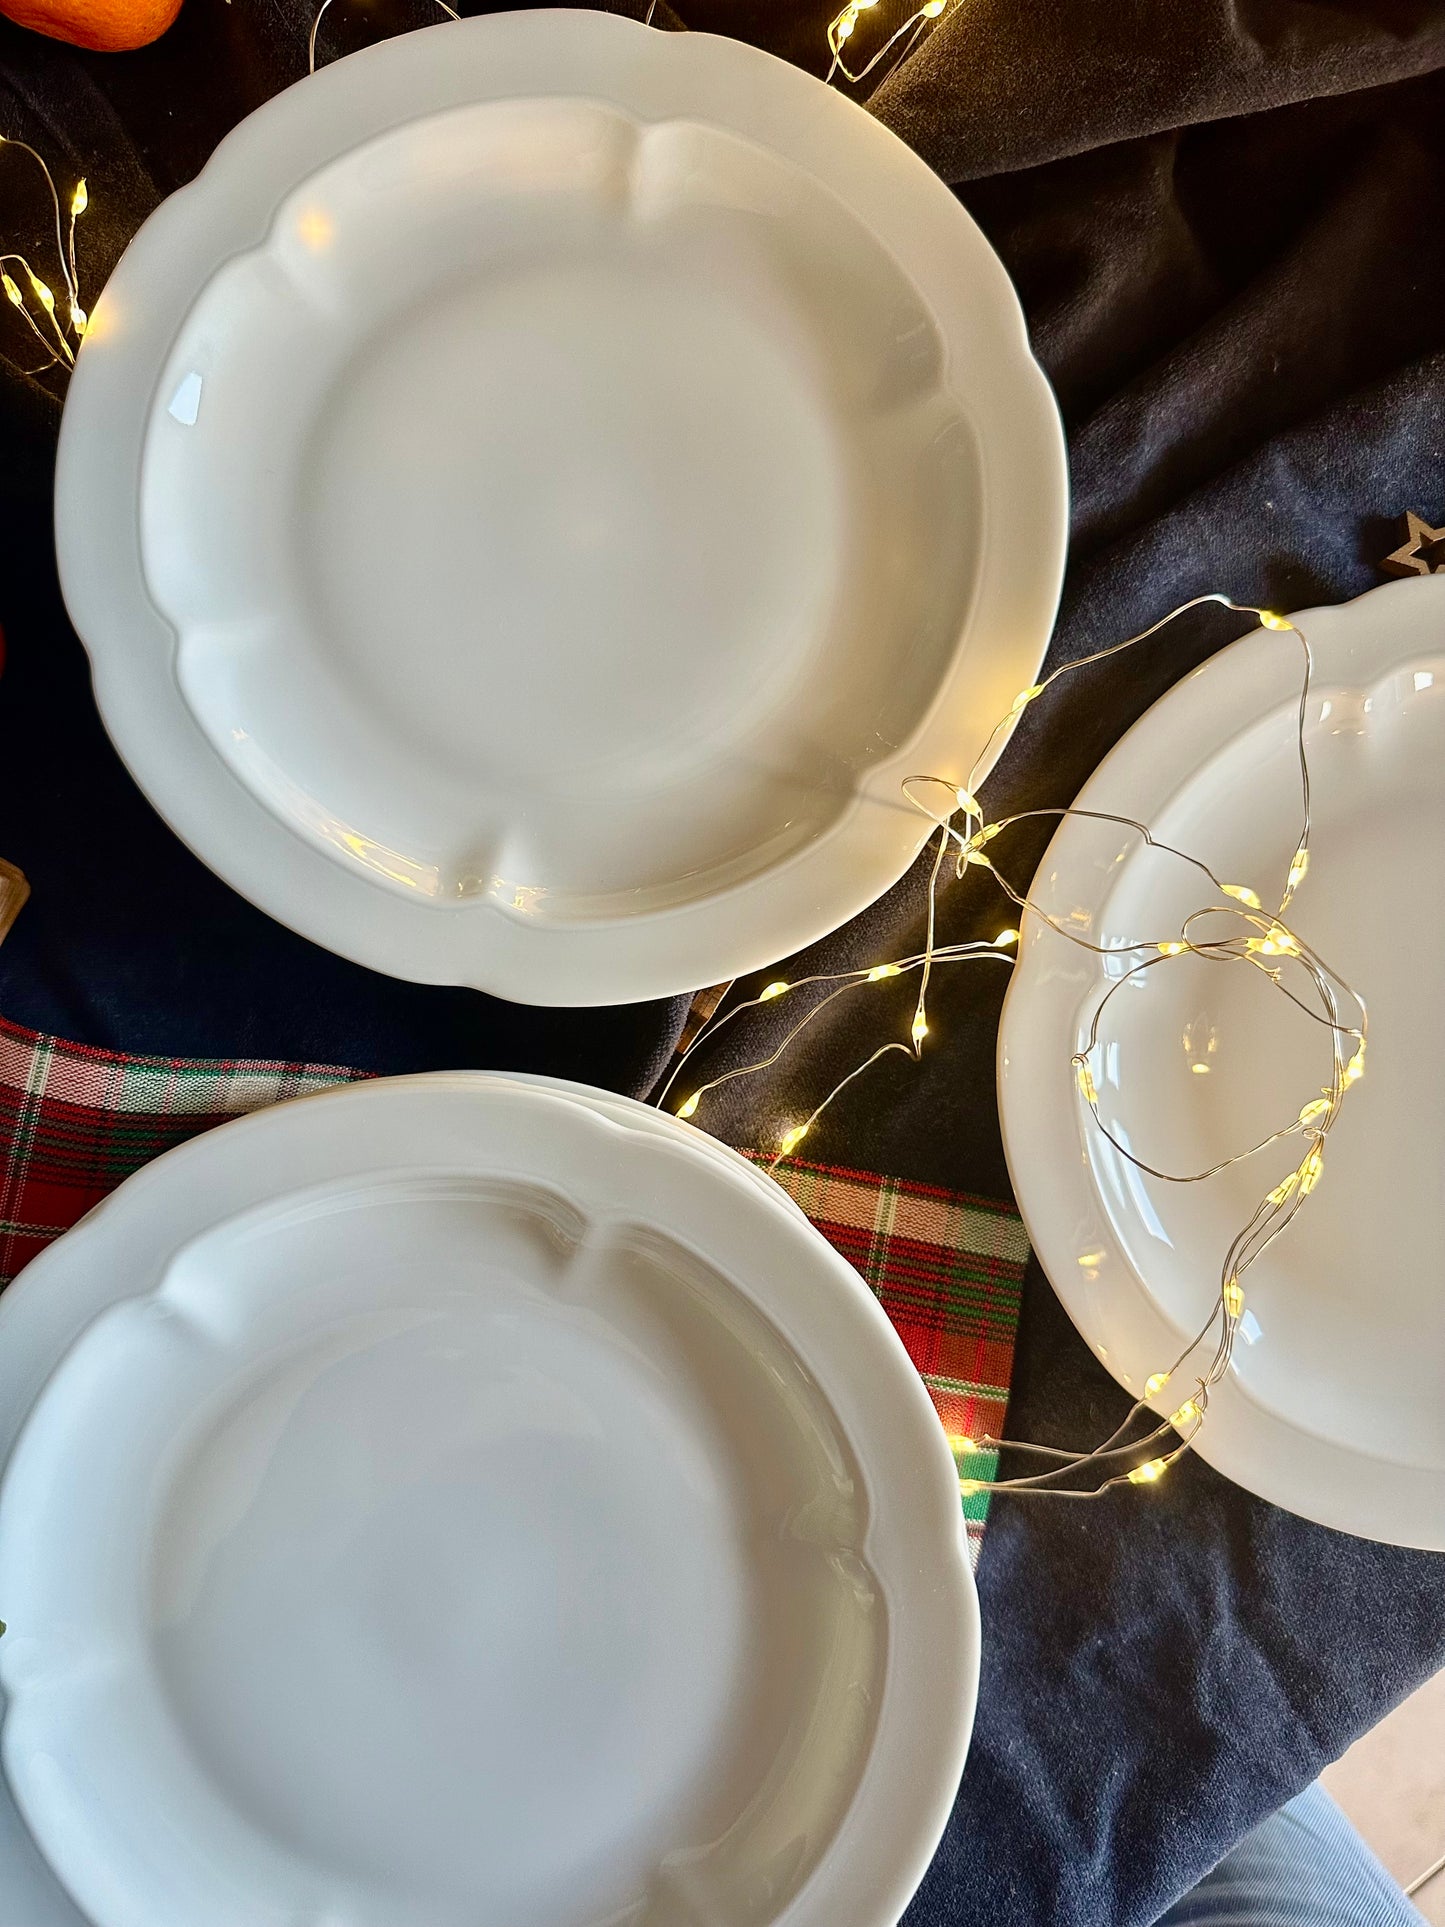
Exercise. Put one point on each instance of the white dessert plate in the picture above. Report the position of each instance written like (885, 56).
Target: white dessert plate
(462, 1504)
(1333, 1405)
(534, 497)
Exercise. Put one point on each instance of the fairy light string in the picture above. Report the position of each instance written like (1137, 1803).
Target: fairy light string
(843, 26)
(321, 12)
(1248, 936)
(57, 323)
(1233, 928)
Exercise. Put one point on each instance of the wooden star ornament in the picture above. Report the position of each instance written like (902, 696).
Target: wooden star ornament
(1421, 553)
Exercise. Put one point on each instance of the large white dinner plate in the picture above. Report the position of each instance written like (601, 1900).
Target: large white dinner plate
(1333, 1406)
(457, 1503)
(41, 1318)
(534, 497)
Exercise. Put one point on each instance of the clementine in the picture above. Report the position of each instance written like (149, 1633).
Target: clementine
(108, 26)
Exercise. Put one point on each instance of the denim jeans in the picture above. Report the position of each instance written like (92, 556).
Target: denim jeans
(1303, 1867)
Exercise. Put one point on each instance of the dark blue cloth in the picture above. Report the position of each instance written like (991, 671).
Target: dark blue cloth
(128, 941)
(1223, 219)
(1244, 319)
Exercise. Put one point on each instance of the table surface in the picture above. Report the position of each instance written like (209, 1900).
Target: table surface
(1223, 240)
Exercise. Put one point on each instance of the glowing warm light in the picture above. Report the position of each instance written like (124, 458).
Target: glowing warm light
(773, 990)
(70, 302)
(688, 1106)
(1148, 1472)
(314, 229)
(1264, 937)
(842, 26)
(1278, 943)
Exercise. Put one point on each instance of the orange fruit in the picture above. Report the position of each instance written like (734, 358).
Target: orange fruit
(108, 26)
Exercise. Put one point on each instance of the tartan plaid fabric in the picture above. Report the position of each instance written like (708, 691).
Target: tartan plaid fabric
(947, 1268)
(75, 1121)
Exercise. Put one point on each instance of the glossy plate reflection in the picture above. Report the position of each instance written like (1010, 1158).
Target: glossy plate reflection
(462, 1524)
(583, 470)
(1332, 1406)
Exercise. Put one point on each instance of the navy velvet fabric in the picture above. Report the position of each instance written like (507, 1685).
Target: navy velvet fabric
(1224, 223)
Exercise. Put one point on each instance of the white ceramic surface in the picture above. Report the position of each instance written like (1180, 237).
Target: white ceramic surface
(582, 470)
(454, 1502)
(1333, 1405)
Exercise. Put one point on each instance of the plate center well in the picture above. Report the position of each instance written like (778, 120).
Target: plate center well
(499, 1569)
(560, 510)
(1201, 1060)
(567, 517)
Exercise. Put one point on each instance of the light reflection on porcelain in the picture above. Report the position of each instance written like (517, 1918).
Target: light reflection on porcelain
(1332, 1409)
(623, 539)
(469, 1540)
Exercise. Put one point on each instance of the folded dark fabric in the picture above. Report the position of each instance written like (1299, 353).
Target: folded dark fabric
(1245, 322)
(128, 941)
(1060, 78)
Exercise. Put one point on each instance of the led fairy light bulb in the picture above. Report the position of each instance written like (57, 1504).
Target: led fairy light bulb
(843, 26)
(53, 335)
(1267, 939)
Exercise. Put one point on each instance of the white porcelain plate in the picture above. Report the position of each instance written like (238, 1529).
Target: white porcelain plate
(538, 492)
(1333, 1407)
(462, 1504)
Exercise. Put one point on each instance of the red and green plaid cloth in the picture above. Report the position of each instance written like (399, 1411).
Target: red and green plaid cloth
(946, 1267)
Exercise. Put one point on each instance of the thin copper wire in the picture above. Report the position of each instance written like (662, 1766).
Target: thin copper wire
(450, 12)
(915, 25)
(8, 140)
(59, 349)
(1277, 1209)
